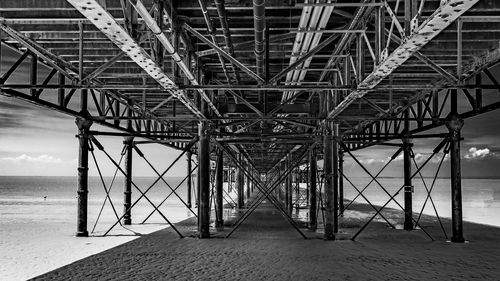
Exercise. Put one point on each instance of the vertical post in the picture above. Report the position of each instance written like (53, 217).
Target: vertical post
(239, 182)
(341, 182)
(33, 73)
(306, 180)
(83, 171)
(312, 190)
(189, 179)
(158, 15)
(289, 186)
(204, 181)
(248, 187)
(408, 16)
(335, 158)
(459, 50)
(286, 183)
(408, 189)
(297, 188)
(219, 179)
(83, 92)
(328, 181)
(60, 91)
(360, 55)
(127, 192)
(479, 92)
(454, 126)
(408, 223)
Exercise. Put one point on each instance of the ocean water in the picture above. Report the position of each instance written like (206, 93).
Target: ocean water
(480, 197)
(26, 198)
(54, 198)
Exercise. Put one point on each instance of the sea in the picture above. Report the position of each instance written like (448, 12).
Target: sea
(37, 214)
(25, 198)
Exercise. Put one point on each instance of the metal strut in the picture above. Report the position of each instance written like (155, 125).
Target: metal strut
(143, 194)
(139, 152)
(264, 193)
(440, 145)
(445, 150)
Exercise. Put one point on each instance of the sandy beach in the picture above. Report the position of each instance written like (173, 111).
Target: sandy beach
(267, 248)
(38, 236)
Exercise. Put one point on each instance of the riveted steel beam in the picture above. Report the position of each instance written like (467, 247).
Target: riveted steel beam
(435, 24)
(108, 25)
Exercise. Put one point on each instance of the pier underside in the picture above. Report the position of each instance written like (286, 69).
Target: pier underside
(259, 91)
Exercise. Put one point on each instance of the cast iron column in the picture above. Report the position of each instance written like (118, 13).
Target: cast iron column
(127, 192)
(454, 125)
(408, 189)
(341, 182)
(248, 187)
(189, 179)
(313, 223)
(83, 172)
(328, 182)
(219, 179)
(204, 181)
(297, 188)
(335, 156)
(240, 189)
(289, 190)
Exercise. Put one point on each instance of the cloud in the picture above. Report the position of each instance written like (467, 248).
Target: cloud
(371, 161)
(44, 159)
(475, 153)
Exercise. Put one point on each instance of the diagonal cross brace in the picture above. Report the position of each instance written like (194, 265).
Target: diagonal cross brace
(266, 193)
(262, 192)
(346, 149)
(162, 179)
(143, 194)
(172, 192)
(429, 190)
(436, 150)
(379, 172)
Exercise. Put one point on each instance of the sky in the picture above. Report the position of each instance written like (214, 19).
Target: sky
(38, 142)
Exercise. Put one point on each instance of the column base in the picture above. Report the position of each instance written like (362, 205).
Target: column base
(127, 221)
(82, 234)
(219, 225)
(408, 227)
(329, 237)
(457, 240)
(203, 235)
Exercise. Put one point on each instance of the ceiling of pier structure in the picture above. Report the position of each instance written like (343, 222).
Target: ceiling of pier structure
(266, 70)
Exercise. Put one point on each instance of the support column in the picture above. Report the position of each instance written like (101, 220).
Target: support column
(127, 191)
(219, 179)
(204, 181)
(408, 223)
(83, 171)
(454, 126)
(289, 190)
(297, 188)
(189, 179)
(341, 182)
(313, 222)
(248, 187)
(328, 182)
(335, 160)
(240, 188)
